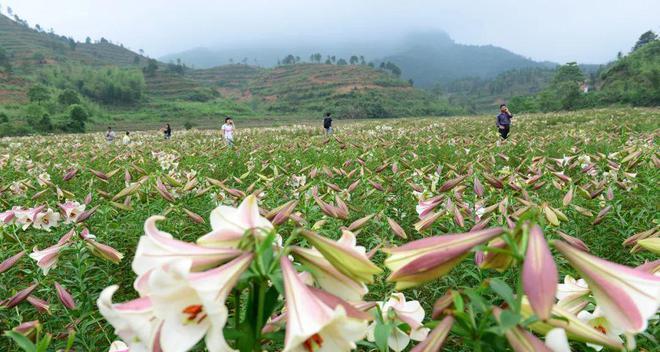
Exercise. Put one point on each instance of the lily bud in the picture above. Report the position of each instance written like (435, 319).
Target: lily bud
(9, 262)
(64, 296)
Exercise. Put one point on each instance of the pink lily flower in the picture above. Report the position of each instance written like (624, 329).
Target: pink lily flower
(328, 277)
(156, 248)
(71, 211)
(312, 325)
(118, 346)
(9, 262)
(423, 260)
(99, 249)
(539, 274)
(345, 255)
(627, 297)
(47, 258)
(437, 337)
(46, 219)
(64, 296)
(425, 207)
(520, 339)
(230, 224)
(7, 217)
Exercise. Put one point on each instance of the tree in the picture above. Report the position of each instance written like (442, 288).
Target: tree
(4, 59)
(38, 93)
(151, 68)
(362, 61)
(342, 62)
(88, 40)
(44, 124)
(354, 60)
(10, 11)
(68, 97)
(3, 117)
(289, 60)
(645, 38)
(72, 43)
(39, 57)
(77, 118)
(136, 60)
(568, 73)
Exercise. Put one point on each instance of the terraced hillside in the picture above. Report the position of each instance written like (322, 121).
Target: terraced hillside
(28, 48)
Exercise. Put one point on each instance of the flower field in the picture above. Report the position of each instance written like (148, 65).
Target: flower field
(406, 234)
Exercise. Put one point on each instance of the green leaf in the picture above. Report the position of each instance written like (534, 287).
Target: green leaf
(70, 340)
(381, 334)
(278, 281)
(23, 342)
(44, 342)
(503, 290)
(458, 301)
(476, 301)
(508, 319)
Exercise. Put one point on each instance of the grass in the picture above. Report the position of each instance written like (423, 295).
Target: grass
(427, 151)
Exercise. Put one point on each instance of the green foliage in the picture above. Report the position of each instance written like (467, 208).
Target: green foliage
(38, 93)
(5, 59)
(110, 85)
(203, 95)
(4, 118)
(645, 38)
(68, 97)
(44, 124)
(151, 68)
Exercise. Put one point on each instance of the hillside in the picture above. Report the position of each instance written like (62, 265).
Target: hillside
(633, 79)
(434, 58)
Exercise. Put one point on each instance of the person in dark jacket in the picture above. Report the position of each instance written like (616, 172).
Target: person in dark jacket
(327, 123)
(167, 131)
(504, 121)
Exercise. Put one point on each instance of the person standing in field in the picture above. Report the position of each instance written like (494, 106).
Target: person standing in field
(110, 135)
(504, 121)
(327, 123)
(127, 139)
(167, 132)
(228, 131)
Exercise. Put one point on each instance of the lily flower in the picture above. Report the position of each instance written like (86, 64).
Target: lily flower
(520, 339)
(229, 224)
(118, 346)
(99, 249)
(436, 338)
(328, 277)
(47, 258)
(600, 323)
(423, 260)
(19, 297)
(576, 329)
(46, 219)
(312, 325)
(345, 255)
(539, 274)
(156, 248)
(134, 321)
(425, 207)
(71, 211)
(650, 244)
(192, 305)
(410, 313)
(627, 297)
(7, 217)
(557, 341)
(573, 294)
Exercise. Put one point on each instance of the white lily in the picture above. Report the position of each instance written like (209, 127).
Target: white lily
(133, 321)
(192, 305)
(600, 323)
(229, 224)
(312, 325)
(573, 294)
(409, 312)
(46, 219)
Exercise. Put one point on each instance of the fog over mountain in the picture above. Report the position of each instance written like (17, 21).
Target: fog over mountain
(589, 31)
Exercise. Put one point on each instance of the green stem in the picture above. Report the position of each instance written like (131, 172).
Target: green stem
(237, 308)
(263, 287)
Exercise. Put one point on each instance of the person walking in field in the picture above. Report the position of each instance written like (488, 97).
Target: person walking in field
(504, 121)
(327, 123)
(167, 132)
(127, 139)
(228, 131)
(110, 135)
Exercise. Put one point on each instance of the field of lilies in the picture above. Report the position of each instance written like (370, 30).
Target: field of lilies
(392, 235)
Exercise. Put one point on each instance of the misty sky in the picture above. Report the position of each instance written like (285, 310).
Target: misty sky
(589, 31)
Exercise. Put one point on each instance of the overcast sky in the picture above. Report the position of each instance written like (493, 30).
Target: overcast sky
(589, 31)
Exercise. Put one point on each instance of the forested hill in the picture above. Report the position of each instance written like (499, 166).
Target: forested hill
(434, 58)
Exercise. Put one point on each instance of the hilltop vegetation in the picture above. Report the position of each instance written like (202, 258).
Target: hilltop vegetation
(111, 83)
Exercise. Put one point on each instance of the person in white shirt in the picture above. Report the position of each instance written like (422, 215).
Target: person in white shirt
(110, 135)
(228, 130)
(127, 139)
